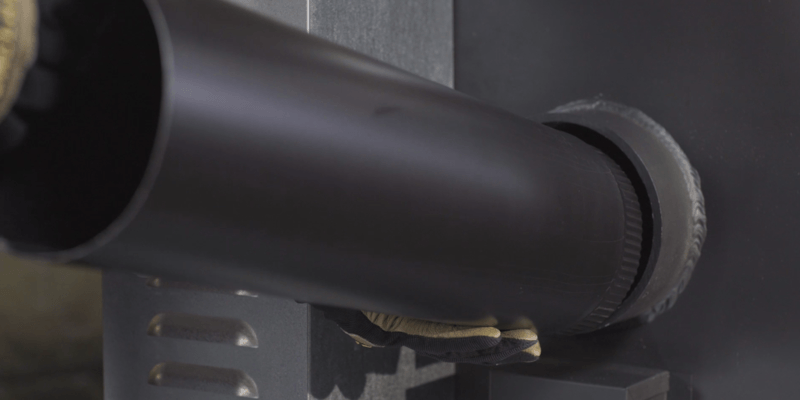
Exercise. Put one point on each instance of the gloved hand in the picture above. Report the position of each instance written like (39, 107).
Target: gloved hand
(17, 48)
(444, 342)
(18, 43)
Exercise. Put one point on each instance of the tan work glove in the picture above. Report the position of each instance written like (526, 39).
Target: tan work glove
(17, 48)
(18, 44)
(444, 342)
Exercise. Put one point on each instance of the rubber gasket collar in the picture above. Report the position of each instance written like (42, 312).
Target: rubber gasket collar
(669, 188)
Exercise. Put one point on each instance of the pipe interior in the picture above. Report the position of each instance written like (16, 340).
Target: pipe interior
(83, 158)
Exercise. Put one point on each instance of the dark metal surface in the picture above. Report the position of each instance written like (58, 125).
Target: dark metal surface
(723, 79)
(198, 366)
(291, 12)
(171, 342)
(562, 380)
(413, 35)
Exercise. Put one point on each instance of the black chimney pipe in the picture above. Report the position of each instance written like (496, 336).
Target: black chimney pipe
(209, 143)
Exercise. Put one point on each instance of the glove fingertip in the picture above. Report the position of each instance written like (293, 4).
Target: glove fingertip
(489, 332)
(529, 355)
(535, 350)
(521, 334)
